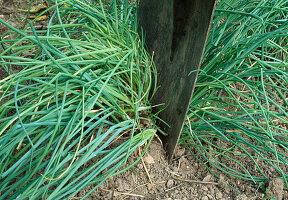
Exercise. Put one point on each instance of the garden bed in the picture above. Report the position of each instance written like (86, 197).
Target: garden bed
(152, 177)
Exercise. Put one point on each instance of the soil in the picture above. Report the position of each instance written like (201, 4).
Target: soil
(153, 177)
(183, 178)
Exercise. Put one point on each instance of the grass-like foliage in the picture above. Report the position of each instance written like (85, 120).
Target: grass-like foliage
(237, 122)
(72, 115)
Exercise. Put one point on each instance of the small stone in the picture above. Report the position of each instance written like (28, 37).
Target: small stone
(212, 191)
(119, 184)
(183, 163)
(169, 183)
(140, 166)
(174, 169)
(182, 159)
(222, 184)
(179, 152)
(207, 178)
(149, 159)
(205, 198)
(219, 195)
(149, 186)
(209, 196)
(205, 188)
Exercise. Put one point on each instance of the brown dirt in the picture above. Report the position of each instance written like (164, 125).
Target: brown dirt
(183, 178)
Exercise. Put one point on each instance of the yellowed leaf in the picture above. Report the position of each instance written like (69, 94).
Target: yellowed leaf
(41, 18)
(38, 8)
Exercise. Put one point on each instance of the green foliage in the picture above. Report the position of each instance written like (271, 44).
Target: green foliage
(83, 85)
(237, 122)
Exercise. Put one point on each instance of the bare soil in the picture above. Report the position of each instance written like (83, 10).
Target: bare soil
(183, 178)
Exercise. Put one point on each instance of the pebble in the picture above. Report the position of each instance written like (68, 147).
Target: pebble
(179, 152)
(149, 186)
(207, 178)
(205, 198)
(149, 159)
(140, 166)
(205, 188)
(219, 195)
(212, 191)
(175, 169)
(182, 159)
(169, 183)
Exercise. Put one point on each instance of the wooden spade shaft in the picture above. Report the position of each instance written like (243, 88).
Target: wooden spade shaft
(176, 32)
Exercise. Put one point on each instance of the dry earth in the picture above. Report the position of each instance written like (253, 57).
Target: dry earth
(183, 178)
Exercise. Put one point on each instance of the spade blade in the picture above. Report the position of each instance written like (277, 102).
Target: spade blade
(175, 31)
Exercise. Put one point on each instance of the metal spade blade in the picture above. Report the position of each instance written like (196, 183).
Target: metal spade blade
(176, 32)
